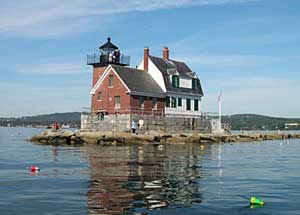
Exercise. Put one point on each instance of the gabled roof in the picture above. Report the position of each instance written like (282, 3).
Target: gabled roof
(183, 69)
(108, 45)
(167, 67)
(138, 81)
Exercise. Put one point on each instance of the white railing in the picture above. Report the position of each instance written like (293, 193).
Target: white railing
(105, 58)
(156, 112)
(132, 111)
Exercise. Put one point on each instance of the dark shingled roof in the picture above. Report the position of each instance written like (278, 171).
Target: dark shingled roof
(139, 81)
(183, 71)
(108, 45)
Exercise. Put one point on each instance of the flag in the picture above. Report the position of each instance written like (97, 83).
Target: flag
(220, 111)
(220, 104)
(220, 97)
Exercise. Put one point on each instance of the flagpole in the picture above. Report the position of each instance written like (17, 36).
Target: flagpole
(220, 110)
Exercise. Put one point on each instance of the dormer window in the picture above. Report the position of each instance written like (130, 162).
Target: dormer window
(175, 81)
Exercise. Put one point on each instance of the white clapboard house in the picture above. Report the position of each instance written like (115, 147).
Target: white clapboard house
(180, 84)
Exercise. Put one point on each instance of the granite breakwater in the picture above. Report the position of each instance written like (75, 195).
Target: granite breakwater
(103, 138)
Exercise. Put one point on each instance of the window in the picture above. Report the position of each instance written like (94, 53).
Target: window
(154, 103)
(196, 104)
(179, 102)
(175, 81)
(142, 101)
(111, 81)
(117, 102)
(167, 101)
(194, 83)
(100, 96)
(188, 104)
(174, 103)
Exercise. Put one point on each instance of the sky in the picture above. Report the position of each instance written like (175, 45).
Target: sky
(248, 49)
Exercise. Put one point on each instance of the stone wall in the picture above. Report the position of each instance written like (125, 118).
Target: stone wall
(110, 122)
(169, 125)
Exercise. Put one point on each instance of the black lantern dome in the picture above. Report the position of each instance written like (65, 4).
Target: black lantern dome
(109, 54)
(108, 46)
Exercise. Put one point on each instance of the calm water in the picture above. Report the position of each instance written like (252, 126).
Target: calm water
(145, 179)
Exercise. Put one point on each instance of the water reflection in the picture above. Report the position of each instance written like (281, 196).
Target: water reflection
(138, 178)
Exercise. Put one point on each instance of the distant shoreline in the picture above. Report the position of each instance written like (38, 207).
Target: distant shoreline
(247, 122)
(237, 130)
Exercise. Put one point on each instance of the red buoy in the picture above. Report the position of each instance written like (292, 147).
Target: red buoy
(34, 169)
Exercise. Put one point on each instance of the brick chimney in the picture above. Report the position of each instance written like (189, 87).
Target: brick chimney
(166, 53)
(146, 58)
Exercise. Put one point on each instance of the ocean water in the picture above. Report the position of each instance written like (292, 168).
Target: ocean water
(147, 179)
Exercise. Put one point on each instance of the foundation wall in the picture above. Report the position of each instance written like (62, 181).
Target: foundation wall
(168, 124)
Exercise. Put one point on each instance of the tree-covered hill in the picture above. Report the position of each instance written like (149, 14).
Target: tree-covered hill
(237, 122)
(260, 122)
(71, 118)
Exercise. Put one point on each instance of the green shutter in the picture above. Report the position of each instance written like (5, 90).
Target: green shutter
(175, 81)
(188, 104)
(196, 103)
(193, 84)
(179, 102)
(167, 101)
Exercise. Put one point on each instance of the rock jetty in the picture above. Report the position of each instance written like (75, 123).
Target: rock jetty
(108, 138)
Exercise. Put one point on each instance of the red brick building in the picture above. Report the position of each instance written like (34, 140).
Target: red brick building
(119, 89)
(161, 94)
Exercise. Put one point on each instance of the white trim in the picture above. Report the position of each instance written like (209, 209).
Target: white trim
(156, 95)
(100, 80)
(180, 94)
(181, 110)
(172, 71)
(103, 76)
(185, 82)
(184, 94)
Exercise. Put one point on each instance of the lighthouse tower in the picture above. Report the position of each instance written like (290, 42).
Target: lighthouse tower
(109, 54)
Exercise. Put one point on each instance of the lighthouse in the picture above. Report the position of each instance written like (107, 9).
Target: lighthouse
(109, 54)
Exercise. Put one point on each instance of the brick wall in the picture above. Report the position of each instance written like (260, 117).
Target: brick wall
(128, 103)
(148, 110)
(108, 96)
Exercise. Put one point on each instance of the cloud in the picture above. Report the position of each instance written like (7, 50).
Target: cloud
(52, 18)
(229, 60)
(55, 68)
(236, 60)
(269, 95)
(42, 98)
